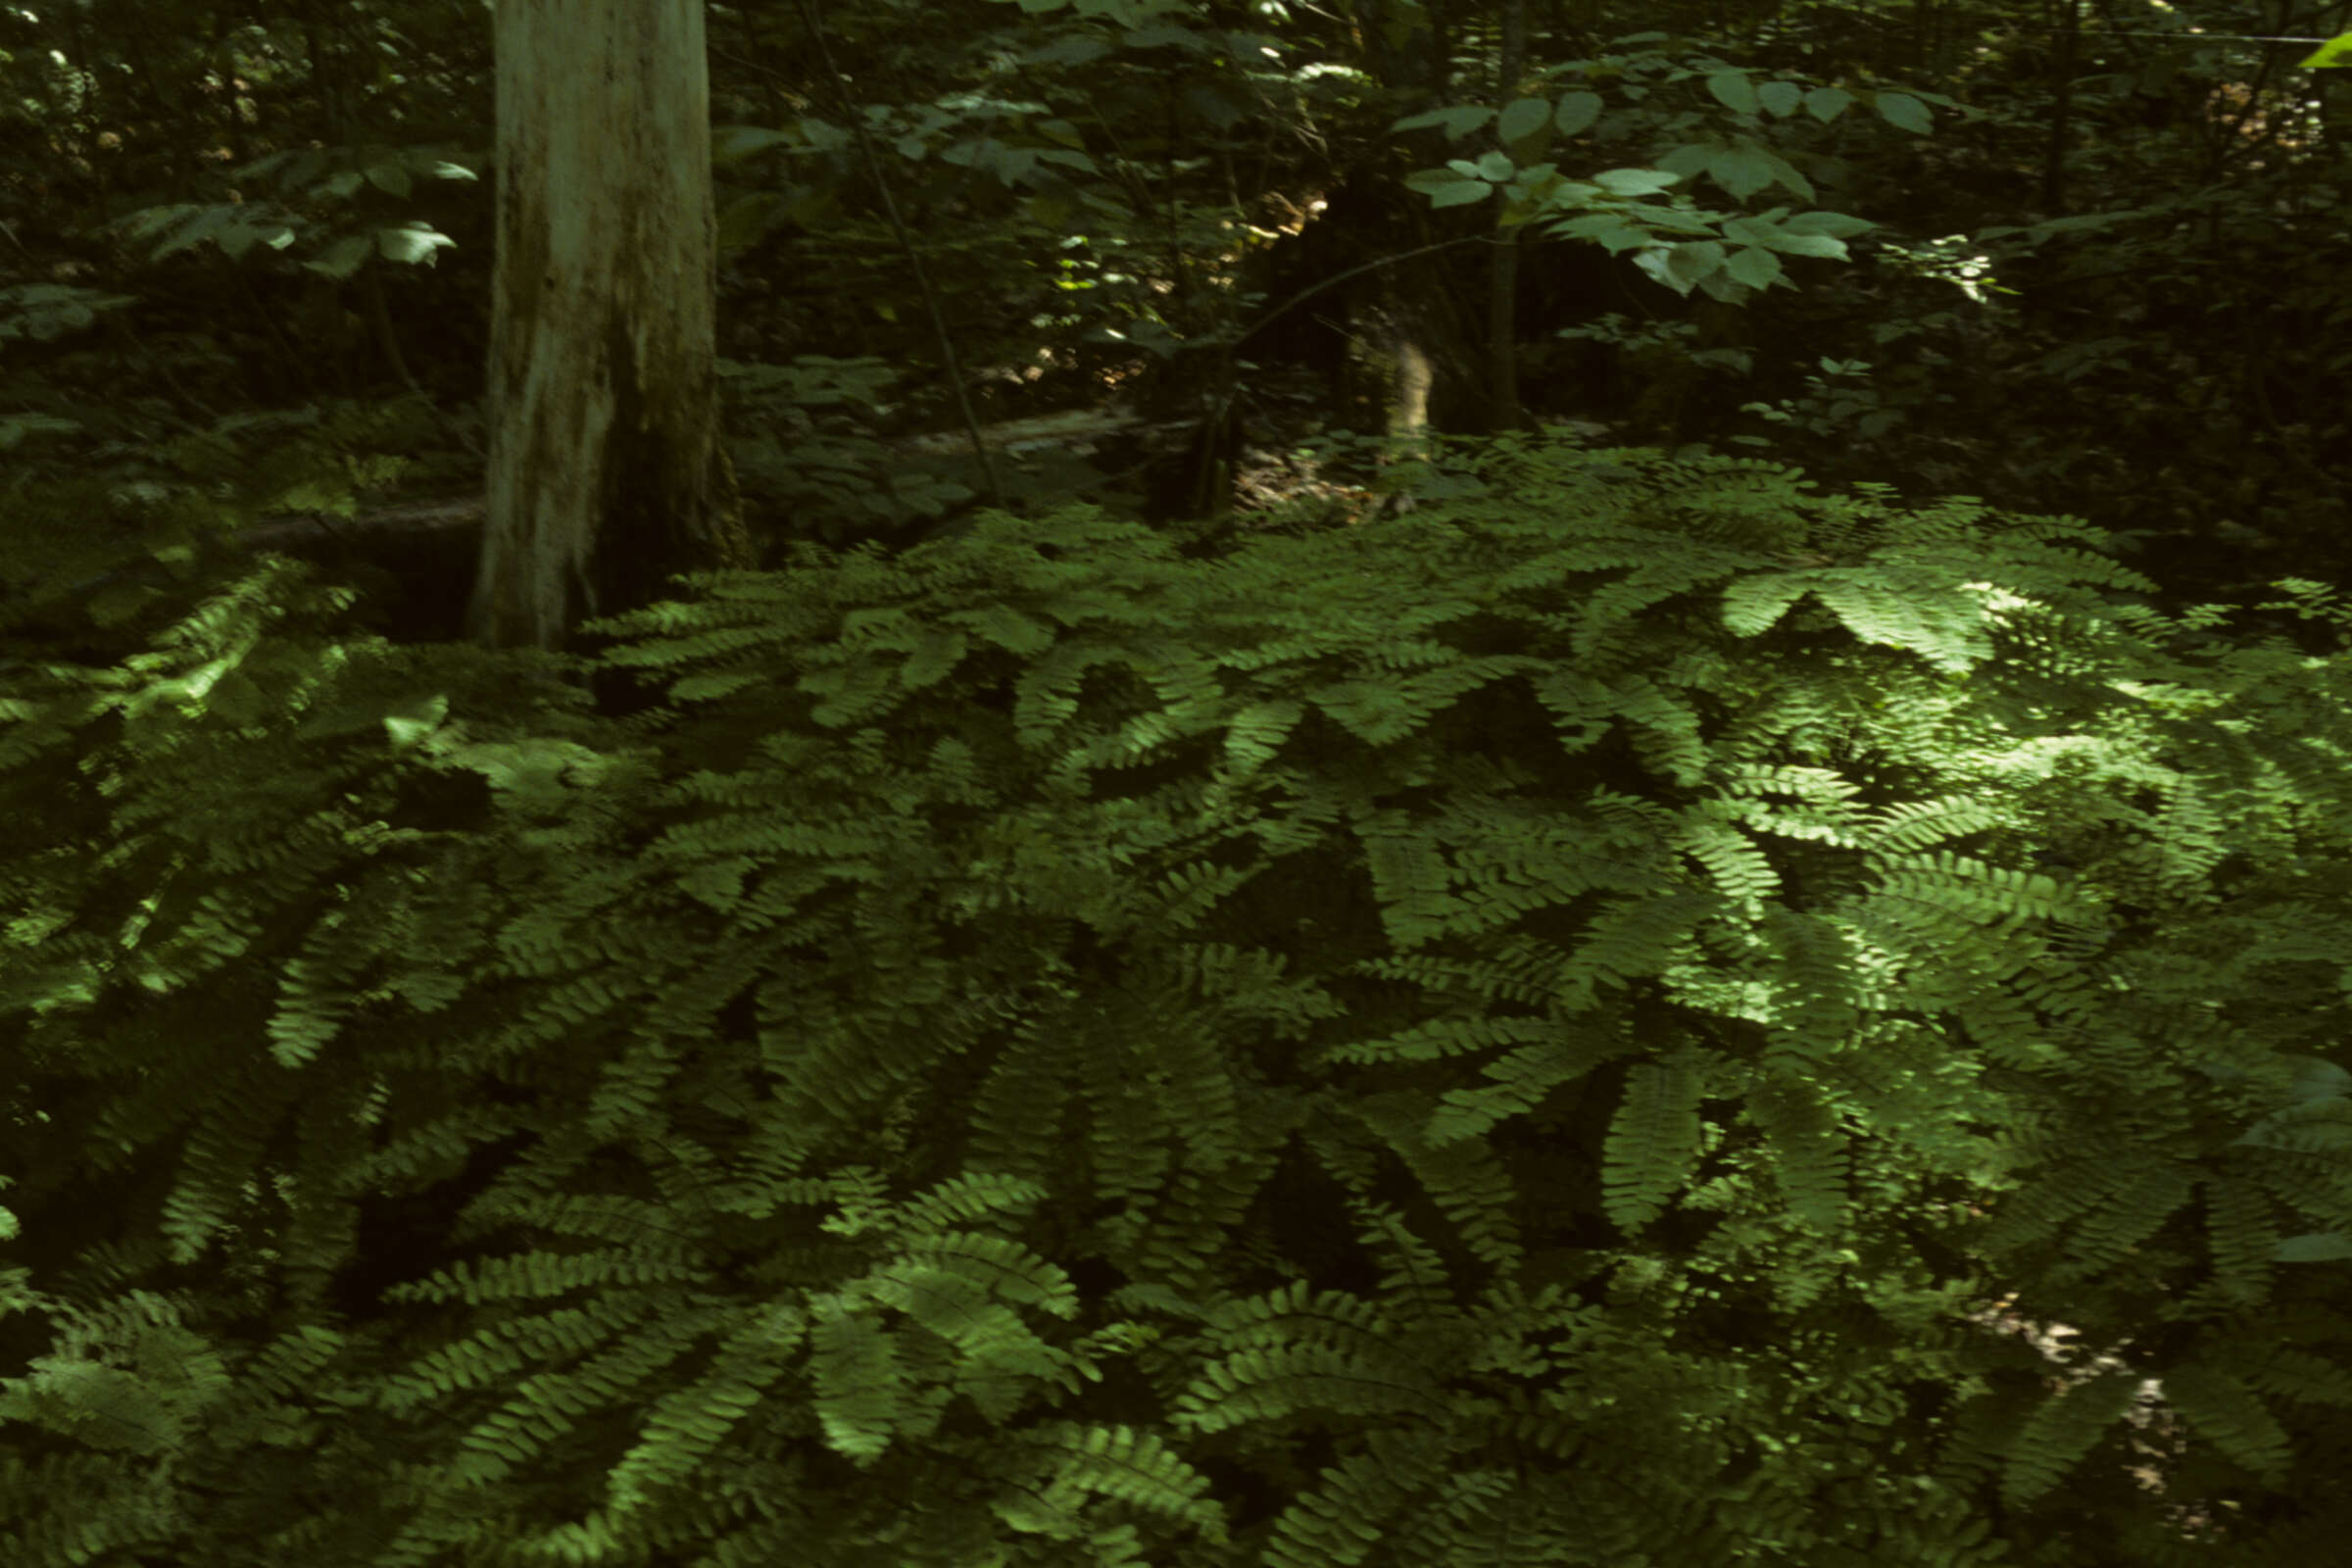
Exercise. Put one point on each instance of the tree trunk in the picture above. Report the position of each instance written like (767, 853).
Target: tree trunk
(605, 471)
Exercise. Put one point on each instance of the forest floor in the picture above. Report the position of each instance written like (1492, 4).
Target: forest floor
(2155, 1424)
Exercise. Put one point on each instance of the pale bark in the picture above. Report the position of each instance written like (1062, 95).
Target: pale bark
(606, 473)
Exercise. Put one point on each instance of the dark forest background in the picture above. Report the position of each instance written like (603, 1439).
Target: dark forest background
(1190, 260)
(1168, 256)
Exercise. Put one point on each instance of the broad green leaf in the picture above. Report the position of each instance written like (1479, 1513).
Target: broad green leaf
(1459, 121)
(1576, 113)
(1826, 104)
(1781, 98)
(1720, 285)
(1496, 167)
(2318, 1079)
(1755, 266)
(1523, 120)
(1571, 193)
(1751, 228)
(1690, 159)
(1460, 193)
(2336, 53)
(1904, 113)
(390, 178)
(2232, 1417)
(342, 258)
(232, 233)
(733, 143)
(1533, 193)
(1804, 244)
(1785, 174)
(1840, 225)
(410, 243)
(14, 427)
(195, 223)
(1696, 259)
(1742, 170)
(65, 319)
(1680, 266)
(822, 135)
(1681, 219)
(1733, 91)
(268, 163)
(1609, 230)
(1635, 182)
(1152, 336)
(1165, 35)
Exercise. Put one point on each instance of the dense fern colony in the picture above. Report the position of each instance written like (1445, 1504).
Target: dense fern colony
(1514, 1034)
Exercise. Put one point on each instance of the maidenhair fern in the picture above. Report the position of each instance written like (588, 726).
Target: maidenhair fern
(1463, 1039)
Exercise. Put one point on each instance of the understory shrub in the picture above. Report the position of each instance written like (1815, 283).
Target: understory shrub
(1514, 1032)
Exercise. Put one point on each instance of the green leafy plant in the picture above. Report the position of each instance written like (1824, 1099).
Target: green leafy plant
(1484, 1027)
(315, 179)
(1837, 400)
(1729, 255)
